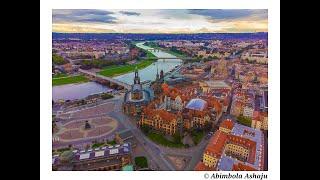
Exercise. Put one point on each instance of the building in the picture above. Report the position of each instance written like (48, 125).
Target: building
(105, 158)
(226, 126)
(208, 86)
(174, 99)
(214, 149)
(136, 98)
(200, 112)
(233, 147)
(242, 167)
(260, 120)
(160, 120)
(248, 111)
(258, 56)
(156, 86)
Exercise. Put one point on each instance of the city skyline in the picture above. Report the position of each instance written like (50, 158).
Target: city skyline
(159, 21)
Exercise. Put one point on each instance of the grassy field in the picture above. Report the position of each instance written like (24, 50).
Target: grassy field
(175, 53)
(69, 80)
(118, 70)
(59, 75)
(168, 51)
(160, 139)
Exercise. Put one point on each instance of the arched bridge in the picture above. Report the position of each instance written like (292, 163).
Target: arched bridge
(182, 58)
(105, 80)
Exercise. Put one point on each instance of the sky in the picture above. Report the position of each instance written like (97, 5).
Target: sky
(159, 21)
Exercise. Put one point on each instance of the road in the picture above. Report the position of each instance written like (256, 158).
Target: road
(152, 149)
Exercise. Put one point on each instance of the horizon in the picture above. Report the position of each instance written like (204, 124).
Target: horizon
(160, 21)
(161, 33)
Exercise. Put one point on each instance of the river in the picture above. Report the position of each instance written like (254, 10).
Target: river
(79, 91)
(149, 73)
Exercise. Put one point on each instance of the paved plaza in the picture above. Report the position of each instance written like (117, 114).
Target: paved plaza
(71, 125)
(75, 130)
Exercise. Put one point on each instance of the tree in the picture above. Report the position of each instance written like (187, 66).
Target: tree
(177, 138)
(58, 60)
(145, 129)
(244, 120)
(141, 161)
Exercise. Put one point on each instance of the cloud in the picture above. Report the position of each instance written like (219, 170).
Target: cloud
(82, 16)
(230, 14)
(129, 13)
(157, 21)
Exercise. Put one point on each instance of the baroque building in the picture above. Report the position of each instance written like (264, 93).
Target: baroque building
(136, 98)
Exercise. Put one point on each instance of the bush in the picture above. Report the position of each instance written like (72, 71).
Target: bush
(113, 142)
(145, 129)
(106, 96)
(197, 135)
(141, 162)
(63, 149)
(96, 145)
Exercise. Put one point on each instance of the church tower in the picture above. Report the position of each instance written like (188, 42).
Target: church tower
(157, 77)
(136, 76)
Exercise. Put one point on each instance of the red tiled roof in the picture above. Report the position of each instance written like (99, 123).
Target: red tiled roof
(216, 143)
(202, 167)
(164, 115)
(227, 123)
(242, 167)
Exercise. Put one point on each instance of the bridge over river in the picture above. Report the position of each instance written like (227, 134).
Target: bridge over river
(112, 81)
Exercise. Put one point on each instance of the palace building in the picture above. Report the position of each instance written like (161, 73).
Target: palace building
(160, 120)
(137, 98)
(201, 111)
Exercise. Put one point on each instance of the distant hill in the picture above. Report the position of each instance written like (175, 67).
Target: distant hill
(150, 37)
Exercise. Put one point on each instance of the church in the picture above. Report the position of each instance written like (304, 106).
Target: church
(136, 98)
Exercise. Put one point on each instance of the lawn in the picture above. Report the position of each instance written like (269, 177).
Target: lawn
(160, 139)
(59, 75)
(118, 70)
(141, 162)
(153, 45)
(69, 80)
(175, 53)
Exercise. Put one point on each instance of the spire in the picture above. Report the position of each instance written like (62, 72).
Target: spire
(136, 76)
(157, 77)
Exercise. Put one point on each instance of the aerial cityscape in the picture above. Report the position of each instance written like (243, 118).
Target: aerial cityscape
(159, 90)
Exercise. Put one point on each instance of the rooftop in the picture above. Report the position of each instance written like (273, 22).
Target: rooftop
(217, 84)
(197, 104)
(216, 143)
(228, 124)
(105, 151)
